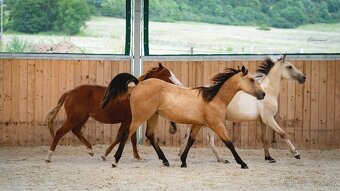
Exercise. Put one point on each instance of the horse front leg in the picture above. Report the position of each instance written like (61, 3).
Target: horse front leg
(272, 123)
(264, 138)
(150, 129)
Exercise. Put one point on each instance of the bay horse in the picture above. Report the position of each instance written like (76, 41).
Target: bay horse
(269, 76)
(201, 106)
(83, 102)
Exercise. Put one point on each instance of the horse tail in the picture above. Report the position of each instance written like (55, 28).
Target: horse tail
(51, 115)
(173, 127)
(118, 86)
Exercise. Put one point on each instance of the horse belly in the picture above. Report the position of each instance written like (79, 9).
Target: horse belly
(243, 107)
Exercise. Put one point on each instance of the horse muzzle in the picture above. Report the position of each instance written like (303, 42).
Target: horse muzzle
(301, 79)
(260, 95)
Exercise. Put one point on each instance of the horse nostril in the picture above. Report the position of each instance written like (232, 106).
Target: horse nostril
(264, 94)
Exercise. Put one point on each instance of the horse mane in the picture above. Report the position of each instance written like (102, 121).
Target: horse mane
(208, 93)
(266, 66)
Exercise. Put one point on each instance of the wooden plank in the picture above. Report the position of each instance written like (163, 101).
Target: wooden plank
(14, 133)
(23, 102)
(7, 100)
(244, 125)
(31, 101)
(38, 102)
(330, 102)
(337, 107)
(297, 124)
(2, 99)
(307, 104)
(314, 104)
(47, 139)
(54, 92)
(322, 136)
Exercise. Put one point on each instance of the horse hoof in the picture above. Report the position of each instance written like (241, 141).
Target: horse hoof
(297, 157)
(114, 166)
(244, 166)
(138, 158)
(91, 154)
(104, 158)
(166, 164)
(223, 161)
(270, 159)
(48, 161)
(184, 165)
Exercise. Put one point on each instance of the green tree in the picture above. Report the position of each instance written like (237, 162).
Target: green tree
(32, 16)
(72, 15)
(113, 8)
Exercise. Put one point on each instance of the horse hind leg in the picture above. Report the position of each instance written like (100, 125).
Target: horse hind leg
(77, 132)
(211, 140)
(67, 126)
(191, 139)
(272, 123)
(123, 128)
(185, 141)
(264, 138)
(150, 129)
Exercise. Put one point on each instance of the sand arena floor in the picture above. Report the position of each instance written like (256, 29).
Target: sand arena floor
(24, 168)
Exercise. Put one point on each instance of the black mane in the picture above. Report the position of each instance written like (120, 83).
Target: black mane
(208, 93)
(265, 67)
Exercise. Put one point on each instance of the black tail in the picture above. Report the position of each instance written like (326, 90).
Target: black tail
(118, 86)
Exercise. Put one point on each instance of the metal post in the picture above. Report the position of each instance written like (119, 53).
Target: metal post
(136, 68)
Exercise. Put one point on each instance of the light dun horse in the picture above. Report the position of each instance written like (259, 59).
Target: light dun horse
(244, 107)
(84, 101)
(202, 106)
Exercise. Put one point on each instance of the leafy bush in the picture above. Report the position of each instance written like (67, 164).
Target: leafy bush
(33, 16)
(16, 45)
(72, 15)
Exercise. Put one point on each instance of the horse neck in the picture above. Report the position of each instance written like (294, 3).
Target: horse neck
(227, 91)
(272, 83)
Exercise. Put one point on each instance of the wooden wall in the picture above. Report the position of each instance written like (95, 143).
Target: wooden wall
(30, 88)
(309, 113)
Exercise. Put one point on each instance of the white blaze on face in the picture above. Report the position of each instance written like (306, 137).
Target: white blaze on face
(175, 80)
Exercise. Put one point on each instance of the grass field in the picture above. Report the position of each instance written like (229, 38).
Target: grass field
(107, 35)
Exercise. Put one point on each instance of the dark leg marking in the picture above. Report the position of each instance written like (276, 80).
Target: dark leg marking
(158, 150)
(186, 151)
(238, 159)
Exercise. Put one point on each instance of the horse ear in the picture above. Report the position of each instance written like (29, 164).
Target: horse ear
(284, 57)
(160, 66)
(244, 70)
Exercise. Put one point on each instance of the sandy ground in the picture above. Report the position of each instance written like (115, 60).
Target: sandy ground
(24, 168)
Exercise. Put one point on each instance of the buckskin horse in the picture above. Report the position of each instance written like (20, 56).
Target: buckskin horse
(201, 106)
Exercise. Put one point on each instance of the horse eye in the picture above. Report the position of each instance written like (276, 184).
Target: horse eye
(289, 67)
(252, 80)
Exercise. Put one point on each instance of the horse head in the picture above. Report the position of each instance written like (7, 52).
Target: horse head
(161, 73)
(289, 71)
(248, 84)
